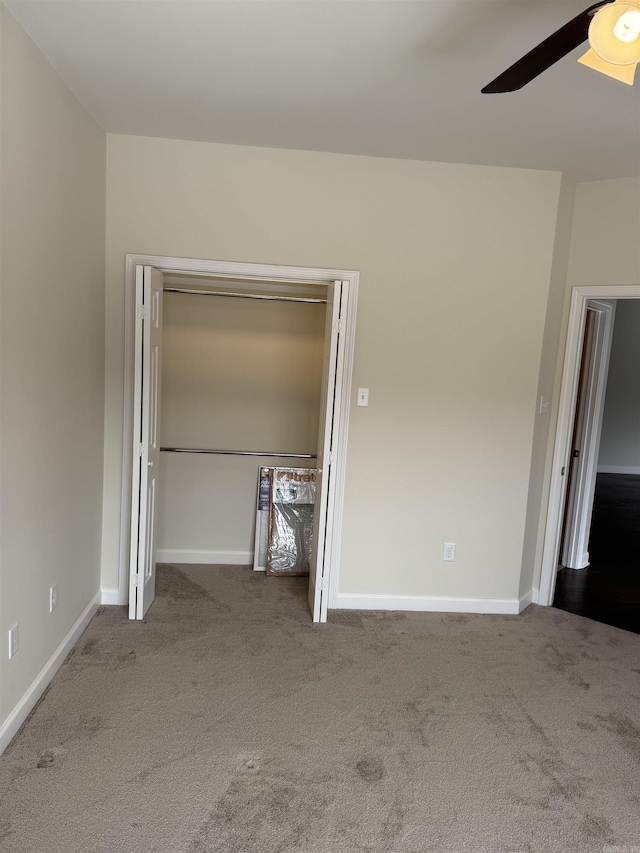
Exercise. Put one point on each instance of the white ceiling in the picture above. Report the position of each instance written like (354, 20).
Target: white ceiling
(390, 78)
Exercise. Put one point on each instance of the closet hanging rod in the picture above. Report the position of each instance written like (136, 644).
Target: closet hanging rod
(245, 295)
(238, 452)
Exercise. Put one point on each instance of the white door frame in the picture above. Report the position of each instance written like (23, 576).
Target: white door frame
(590, 394)
(564, 429)
(269, 274)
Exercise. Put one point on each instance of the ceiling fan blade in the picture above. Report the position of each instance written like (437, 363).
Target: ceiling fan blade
(546, 54)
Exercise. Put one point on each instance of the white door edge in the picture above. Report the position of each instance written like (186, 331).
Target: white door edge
(348, 336)
(581, 485)
(329, 416)
(564, 427)
(134, 452)
(271, 274)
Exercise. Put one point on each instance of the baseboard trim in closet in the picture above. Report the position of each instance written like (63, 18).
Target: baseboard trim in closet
(429, 603)
(216, 558)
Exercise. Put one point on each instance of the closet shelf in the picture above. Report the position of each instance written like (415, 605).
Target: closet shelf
(238, 452)
(264, 296)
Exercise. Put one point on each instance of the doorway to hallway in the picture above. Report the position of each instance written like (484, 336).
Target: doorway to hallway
(608, 589)
(560, 510)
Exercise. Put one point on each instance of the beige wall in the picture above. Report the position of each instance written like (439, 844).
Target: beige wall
(605, 244)
(544, 430)
(52, 358)
(455, 264)
(603, 250)
(237, 374)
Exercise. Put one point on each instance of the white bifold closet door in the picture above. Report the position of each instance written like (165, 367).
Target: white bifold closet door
(332, 365)
(146, 439)
(146, 444)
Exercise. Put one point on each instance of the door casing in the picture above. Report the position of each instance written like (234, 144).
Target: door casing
(590, 397)
(267, 275)
(564, 428)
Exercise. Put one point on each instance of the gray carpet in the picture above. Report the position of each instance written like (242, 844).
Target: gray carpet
(227, 722)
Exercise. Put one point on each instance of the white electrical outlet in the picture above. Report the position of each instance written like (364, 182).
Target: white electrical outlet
(13, 640)
(363, 397)
(53, 597)
(449, 552)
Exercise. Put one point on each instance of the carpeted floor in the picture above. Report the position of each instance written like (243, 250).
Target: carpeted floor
(229, 723)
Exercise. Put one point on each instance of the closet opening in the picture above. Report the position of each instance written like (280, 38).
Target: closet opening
(235, 373)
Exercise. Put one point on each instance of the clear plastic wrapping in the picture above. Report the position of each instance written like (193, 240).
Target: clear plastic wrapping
(263, 512)
(293, 493)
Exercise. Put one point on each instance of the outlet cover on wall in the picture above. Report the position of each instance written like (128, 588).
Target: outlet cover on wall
(53, 597)
(449, 552)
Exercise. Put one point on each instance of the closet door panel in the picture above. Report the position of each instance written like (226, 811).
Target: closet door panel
(146, 449)
(327, 428)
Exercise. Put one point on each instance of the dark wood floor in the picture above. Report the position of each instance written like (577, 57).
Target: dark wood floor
(608, 590)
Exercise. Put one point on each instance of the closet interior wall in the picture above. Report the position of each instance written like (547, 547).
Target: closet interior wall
(237, 374)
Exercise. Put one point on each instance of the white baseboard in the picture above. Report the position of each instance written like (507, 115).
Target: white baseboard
(619, 469)
(25, 706)
(427, 603)
(216, 558)
(535, 596)
(110, 596)
(525, 600)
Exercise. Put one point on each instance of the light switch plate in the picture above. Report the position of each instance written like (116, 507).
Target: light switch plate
(13, 640)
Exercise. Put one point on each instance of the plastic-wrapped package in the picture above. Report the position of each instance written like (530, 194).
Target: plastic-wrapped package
(263, 512)
(293, 494)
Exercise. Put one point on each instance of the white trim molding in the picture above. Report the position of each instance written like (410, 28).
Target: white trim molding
(214, 558)
(582, 470)
(619, 469)
(525, 600)
(110, 596)
(430, 603)
(25, 706)
(564, 429)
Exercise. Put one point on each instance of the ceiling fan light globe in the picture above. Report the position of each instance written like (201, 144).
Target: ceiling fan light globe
(614, 33)
(627, 27)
